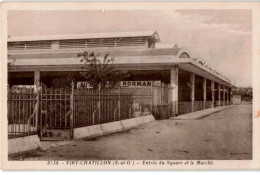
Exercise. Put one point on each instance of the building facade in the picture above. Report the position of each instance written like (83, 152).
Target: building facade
(194, 85)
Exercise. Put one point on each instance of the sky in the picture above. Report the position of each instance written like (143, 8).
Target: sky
(222, 38)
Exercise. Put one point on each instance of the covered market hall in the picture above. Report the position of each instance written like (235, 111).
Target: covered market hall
(192, 84)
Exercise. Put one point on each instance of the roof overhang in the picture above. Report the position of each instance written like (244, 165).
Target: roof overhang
(124, 62)
(203, 73)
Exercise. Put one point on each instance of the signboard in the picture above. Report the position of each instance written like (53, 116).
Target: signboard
(84, 84)
(139, 83)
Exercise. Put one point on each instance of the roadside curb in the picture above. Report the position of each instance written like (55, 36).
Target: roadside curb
(110, 128)
(29, 143)
(87, 132)
(200, 114)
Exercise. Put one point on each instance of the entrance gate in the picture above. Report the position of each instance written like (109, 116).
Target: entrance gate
(55, 117)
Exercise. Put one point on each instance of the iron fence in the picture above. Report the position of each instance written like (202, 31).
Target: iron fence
(162, 106)
(22, 112)
(198, 105)
(208, 104)
(217, 103)
(184, 107)
(228, 102)
(91, 107)
(70, 108)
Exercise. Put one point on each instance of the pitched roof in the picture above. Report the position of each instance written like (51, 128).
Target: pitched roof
(153, 34)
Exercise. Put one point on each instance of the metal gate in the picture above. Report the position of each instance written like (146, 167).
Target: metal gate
(55, 114)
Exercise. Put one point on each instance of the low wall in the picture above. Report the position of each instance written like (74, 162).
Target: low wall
(87, 132)
(110, 128)
(23, 144)
(113, 127)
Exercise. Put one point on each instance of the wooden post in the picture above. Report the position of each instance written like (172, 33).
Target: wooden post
(71, 110)
(192, 95)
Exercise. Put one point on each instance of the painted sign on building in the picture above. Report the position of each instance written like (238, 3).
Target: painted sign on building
(85, 84)
(139, 83)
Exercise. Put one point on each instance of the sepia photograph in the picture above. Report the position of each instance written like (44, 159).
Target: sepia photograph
(101, 87)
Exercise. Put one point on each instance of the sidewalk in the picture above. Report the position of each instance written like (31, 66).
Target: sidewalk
(200, 114)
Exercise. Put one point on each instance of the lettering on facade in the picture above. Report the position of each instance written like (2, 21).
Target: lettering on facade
(84, 84)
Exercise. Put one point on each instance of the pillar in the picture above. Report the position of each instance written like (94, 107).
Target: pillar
(228, 99)
(229, 96)
(192, 94)
(219, 95)
(213, 93)
(204, 92)
(224, 95)
(36, 79)
(174, 85)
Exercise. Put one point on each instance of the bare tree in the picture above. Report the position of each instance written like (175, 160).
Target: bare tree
(103, 73)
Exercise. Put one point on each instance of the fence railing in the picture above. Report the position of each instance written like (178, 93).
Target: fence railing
(54, 110)
(163, 111)
(184, 107)
(93, 107)
(208, 104)
(162, 107)
(30, 111)
(22, 112)
(198, 105)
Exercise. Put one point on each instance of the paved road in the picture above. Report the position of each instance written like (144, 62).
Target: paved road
(223, 135)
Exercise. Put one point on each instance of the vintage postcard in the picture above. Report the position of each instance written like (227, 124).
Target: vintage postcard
(130, 85)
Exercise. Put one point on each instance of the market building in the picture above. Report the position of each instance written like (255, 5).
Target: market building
(194, 85)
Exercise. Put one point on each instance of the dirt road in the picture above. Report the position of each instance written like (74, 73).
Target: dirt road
(223, 135)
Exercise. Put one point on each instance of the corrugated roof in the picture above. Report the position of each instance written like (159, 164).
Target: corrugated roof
(112, 53)
(87, 36)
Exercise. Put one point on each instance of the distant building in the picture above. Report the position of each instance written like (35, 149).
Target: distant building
(246, 93)
(194, 84)
(236, 99)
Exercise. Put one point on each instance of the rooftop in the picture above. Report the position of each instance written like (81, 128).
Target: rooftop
(152, 34)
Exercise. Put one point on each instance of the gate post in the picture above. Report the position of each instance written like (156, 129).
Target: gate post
(71, 110)
(153, 107)
(99, 103)
(119, 105)
(37, 110)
